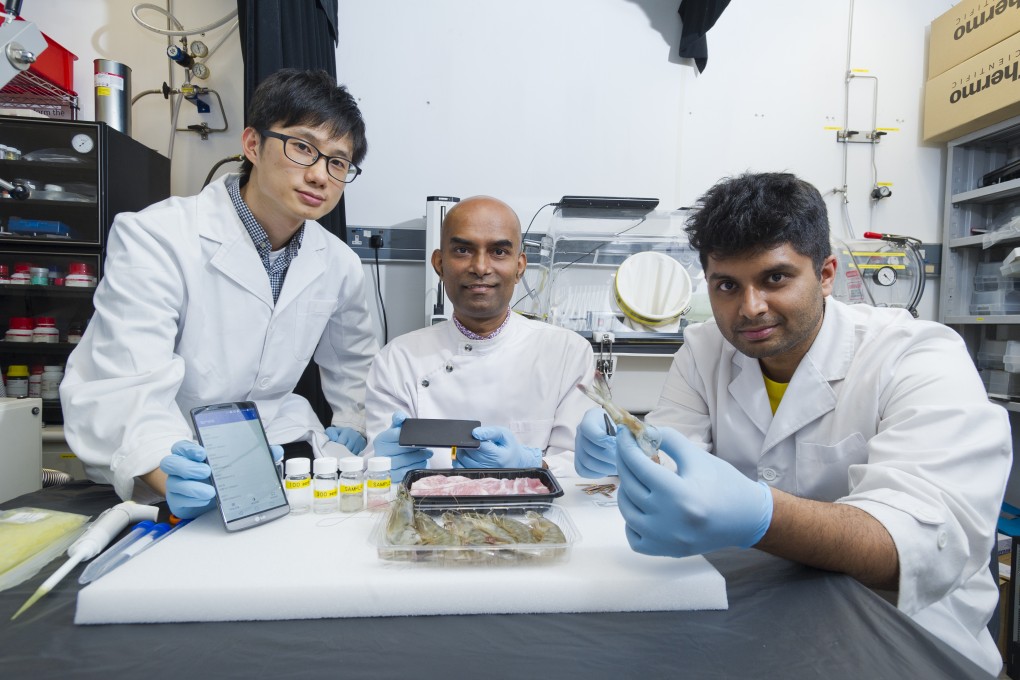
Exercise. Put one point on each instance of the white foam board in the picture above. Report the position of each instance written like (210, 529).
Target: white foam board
(323, 566)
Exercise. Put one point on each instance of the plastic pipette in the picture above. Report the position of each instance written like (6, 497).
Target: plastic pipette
(129, 551)
(97, 566)
(96, 537)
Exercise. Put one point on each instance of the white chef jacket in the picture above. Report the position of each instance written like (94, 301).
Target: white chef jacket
(886, 413)
(184, 317)
(523, 379)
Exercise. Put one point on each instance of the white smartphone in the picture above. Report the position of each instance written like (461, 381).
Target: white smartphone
(249, 491)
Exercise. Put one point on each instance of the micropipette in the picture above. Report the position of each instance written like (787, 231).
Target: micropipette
(96, 537)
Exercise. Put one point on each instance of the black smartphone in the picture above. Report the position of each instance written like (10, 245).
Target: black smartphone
(248, 488)
(438, 432)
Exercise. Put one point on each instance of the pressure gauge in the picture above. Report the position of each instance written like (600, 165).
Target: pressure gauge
(82, 143)
(885, 276)
(200, 70)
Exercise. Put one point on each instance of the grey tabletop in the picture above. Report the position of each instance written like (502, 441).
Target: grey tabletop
(783, 621)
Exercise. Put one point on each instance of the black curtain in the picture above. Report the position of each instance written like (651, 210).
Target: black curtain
(697, 17)
(279, 34)
(300, 34)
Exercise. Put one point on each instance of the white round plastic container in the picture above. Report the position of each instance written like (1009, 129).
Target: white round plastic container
(652, 288)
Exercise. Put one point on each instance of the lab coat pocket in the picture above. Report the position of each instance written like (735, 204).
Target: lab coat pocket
(823, 469)
(533, 433)
(311, 321)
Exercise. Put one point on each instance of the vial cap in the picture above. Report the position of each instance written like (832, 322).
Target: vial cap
(298, 466)
(380, 463)
(351, 464)
(324, 465)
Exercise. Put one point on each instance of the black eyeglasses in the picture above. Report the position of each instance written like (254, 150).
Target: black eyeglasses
(303, 153)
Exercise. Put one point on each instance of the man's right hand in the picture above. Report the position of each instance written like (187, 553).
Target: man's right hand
(403, 458)
(189, 489)
(594, 448)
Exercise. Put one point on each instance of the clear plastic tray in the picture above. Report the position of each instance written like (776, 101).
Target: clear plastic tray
(553, 548)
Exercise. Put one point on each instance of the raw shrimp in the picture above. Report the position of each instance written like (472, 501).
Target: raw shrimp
(430, 531)
(599, 393)
(544, 530)
(400, 524)
(520, 531)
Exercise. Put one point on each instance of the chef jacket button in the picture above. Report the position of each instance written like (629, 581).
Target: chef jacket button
(468, 348)
(449, 368)
(424, 383)
(264, 382)
(942, 540)
(769, 475)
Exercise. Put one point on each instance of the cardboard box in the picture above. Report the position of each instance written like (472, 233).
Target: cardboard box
(977, 93)
(969, 28)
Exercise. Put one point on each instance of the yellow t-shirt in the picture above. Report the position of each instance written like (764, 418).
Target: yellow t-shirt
(775, 390)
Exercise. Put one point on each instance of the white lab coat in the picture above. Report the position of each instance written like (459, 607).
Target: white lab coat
(523, 379)
(886, 413)
(184, 316)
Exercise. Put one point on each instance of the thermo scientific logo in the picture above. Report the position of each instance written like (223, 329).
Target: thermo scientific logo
(979, 19)
(1008, 73)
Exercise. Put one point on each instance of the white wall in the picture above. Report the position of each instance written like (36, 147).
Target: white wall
(532, 100)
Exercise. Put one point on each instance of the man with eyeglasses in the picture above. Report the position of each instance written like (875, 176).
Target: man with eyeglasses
(226, 296)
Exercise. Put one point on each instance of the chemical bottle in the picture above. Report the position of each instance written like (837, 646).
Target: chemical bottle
(298, 484)
(324, 486)
(378, 489)
(17, 380)
(352, 484)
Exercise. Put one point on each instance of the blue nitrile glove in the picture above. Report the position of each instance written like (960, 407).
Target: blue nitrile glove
(347, 436)
(403, 459)
(277, 452)
(706, 505)
(499, 448)
(189, 491)
(594, 448)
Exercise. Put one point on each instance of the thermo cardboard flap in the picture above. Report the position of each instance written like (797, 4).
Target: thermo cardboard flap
(968, 29)
(979, 92)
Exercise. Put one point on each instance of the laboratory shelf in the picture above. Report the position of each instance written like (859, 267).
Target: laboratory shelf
(978, 241)
(982, 320)
(1003, 191)
(28, 292)
(41, 348)
(1005, 403)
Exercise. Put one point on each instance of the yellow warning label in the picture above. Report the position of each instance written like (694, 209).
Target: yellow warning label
(102, 92)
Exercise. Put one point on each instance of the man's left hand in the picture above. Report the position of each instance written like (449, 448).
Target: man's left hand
(706, 505)
(498, 449)
(348, 437)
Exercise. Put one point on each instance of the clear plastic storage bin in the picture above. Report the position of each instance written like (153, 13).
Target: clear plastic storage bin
(990, 354)
(995, 302)
(989, 277)
(1001, 383)
(1011, 357)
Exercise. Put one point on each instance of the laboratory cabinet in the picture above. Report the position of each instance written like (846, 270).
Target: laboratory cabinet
(980, 295)
(78, 177)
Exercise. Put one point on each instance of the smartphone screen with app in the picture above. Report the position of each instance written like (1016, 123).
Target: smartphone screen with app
(248, 487)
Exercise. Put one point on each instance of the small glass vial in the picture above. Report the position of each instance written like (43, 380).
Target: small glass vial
(324, 486)
(378, 488)
(45, 330)
(298, 484)
(352, 484)
(39, 276)
(17, 380)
